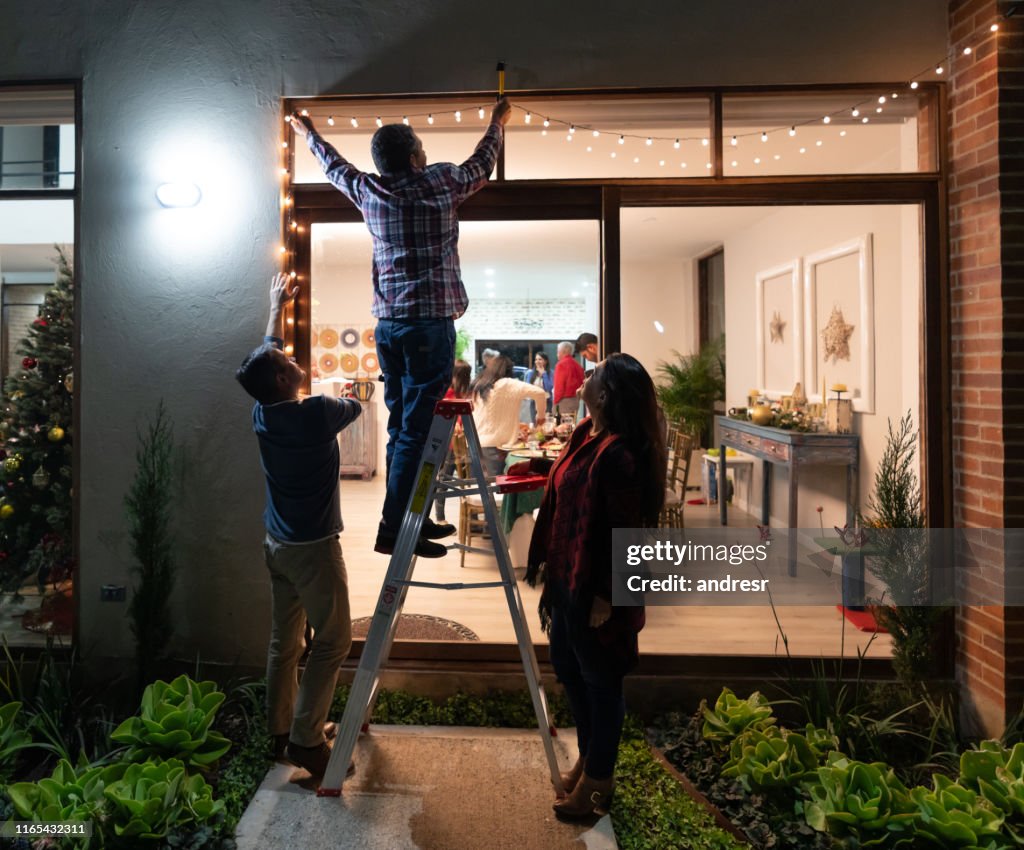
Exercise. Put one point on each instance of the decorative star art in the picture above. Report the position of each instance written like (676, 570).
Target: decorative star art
(835, 336)
(776, 327)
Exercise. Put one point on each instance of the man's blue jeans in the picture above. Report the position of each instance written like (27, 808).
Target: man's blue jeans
(416, 356)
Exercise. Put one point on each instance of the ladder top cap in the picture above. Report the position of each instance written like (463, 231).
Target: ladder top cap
(453, 407)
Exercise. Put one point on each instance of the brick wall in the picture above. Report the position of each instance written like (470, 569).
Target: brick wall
(548, 318)
(986, 199)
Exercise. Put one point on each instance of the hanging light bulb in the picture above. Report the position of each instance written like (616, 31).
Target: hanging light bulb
(893, 96)
(430, 119)
(597, 133)
(878, 109)
(622, 140)
(458, 116)
(676, 144)
(330, 120)
(803, 150)
(994, 28)
(764, 136)
(528, 118)
(856, 112)
(733, 141)
(704, 141)
(650, 141)
(842, 132)
(405, 120)
(792, 131)
(547, 123)
(826, 120)
(480, 112)
(572, 129)
(379, 122)
(913, 85)
(939, 69)
(284, 144)
(967, 51)
(864, 120)
(355, 123)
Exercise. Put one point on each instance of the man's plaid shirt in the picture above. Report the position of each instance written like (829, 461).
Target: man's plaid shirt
(412, 217)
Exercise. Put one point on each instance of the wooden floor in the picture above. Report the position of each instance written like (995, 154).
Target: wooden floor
(734, 630)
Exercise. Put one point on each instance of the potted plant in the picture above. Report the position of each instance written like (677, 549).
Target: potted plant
(690, 387)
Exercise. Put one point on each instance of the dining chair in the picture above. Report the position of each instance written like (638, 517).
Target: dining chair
(472, 519)
(677, 476)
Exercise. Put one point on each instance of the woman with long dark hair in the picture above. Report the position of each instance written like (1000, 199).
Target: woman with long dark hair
(611, 475)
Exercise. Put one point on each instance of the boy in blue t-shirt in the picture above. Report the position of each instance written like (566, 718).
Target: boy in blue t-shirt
(299, 454)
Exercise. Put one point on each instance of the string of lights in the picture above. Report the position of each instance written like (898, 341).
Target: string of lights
(864, 109)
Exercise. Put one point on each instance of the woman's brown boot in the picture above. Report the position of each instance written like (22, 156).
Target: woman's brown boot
(590, 797)
(570, 779)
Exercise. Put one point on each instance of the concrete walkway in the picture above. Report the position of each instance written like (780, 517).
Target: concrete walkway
(428, 788)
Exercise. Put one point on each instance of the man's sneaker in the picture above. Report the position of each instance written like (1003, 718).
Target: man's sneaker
(281, 741)
(313, 759)
(436, 530)
(424, 548)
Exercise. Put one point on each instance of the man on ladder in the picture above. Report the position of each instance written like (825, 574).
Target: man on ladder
(399, 579)
(411, 212)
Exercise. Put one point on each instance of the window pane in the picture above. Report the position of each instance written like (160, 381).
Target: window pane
(621, 149)
(37, 138)
(867, 132)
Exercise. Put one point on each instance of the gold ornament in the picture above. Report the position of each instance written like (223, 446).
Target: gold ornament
(776, 327)
(17, 394)
(6, 511)
(11, 464)
(835, 336)
(55, 434)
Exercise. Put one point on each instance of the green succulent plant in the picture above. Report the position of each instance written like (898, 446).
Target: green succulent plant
(155, 797)
(864, 805)
(69, 794)
(997, 774)
(952, 816)
(775, 759)
(733, 716)
(174, 722)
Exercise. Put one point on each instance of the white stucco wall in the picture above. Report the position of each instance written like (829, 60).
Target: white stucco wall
(171, 300)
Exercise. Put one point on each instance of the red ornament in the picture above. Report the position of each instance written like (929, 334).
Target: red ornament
(29, 363)
(10, 485)
(41, 323)
(4, 556)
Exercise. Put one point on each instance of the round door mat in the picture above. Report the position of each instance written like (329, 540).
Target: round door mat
(419, 627)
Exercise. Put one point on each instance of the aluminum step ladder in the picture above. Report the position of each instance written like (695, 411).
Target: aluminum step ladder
(429, 480)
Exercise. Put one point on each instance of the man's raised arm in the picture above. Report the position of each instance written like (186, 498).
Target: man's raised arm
(341, 173)
(475, 171)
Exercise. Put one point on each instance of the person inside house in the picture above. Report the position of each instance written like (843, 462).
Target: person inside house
(486, 356)
(541, 376)
(611, 475)
(568, 379)
(586, 346)
(299, 454)
(459, 388)
(411, 211)
(496, 395)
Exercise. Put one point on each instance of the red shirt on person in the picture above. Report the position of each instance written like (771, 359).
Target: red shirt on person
(568, 378)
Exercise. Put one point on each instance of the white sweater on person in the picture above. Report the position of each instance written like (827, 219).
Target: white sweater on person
(497, 418)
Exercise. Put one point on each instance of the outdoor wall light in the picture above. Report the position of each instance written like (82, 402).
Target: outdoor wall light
(176, 195)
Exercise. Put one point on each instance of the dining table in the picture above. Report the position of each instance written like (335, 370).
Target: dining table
(518, 507)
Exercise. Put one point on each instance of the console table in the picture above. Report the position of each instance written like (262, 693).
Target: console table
(793, 449)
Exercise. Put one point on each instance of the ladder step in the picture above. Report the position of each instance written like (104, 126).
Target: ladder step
(454, 585)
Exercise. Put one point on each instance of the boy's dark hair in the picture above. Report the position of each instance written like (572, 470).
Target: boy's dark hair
(583, 340)
(258, 374)
(391, 147)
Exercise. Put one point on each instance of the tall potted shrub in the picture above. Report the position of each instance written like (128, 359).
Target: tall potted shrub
(689, 387)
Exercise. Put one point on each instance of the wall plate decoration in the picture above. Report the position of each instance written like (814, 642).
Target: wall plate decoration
(328, 338)
(369, 340)
(779, 329)
(350, 337)
(328, 363)
(369, 362)
(839, 321)
(349, 363)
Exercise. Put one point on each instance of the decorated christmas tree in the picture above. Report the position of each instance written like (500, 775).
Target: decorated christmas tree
(35, 461)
